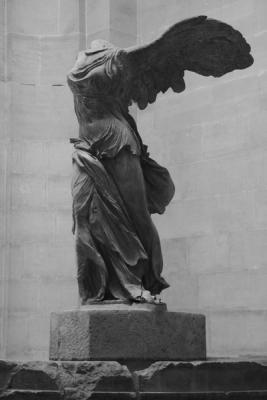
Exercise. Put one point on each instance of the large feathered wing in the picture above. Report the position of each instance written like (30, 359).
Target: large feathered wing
(205, 46)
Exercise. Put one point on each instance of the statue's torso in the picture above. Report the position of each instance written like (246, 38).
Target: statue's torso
(102, 114)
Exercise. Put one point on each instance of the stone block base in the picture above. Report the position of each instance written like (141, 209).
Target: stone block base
(106, 380)
(127, 332)
(65, 381)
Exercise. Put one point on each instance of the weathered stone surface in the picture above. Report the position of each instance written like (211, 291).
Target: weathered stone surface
(102, 396)
(31, 395)
(104, 380)
(198, 377)
(76, 380)
(27, 378)
(126, 333)
(205, 396)
(6, 369)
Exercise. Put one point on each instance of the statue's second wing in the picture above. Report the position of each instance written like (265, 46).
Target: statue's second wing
(202, 45)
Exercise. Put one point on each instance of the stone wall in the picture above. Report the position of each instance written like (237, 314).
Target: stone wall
(39, 41)
(3, 164)
(213, 139)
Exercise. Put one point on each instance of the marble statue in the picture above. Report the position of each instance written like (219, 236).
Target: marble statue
(116, 186)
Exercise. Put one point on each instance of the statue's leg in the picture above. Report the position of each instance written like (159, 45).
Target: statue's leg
(82, 237)
(91, 268)
(127, 174)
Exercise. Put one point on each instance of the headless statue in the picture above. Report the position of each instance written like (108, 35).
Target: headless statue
(116, 186)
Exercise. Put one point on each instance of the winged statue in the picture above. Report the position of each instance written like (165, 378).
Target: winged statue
(116, 186)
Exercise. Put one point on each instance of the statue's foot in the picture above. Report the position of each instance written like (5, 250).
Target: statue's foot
(88, 302)
(93, 300)
(157, 300)
(145, 297)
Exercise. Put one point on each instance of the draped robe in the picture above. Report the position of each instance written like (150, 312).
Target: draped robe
(115, 187)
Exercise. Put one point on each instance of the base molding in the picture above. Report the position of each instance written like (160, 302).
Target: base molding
(110, 380)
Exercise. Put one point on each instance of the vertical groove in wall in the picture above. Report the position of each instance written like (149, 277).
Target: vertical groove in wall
(82, 24)
(5, 255)
(58, 16)
(138, 25)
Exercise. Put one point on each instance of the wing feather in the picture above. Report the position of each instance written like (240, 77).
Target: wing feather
(205, 46)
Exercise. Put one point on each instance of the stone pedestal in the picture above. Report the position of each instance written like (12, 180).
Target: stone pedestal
(127, 332)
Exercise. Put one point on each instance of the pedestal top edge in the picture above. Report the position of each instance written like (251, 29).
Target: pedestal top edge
(124, 308)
